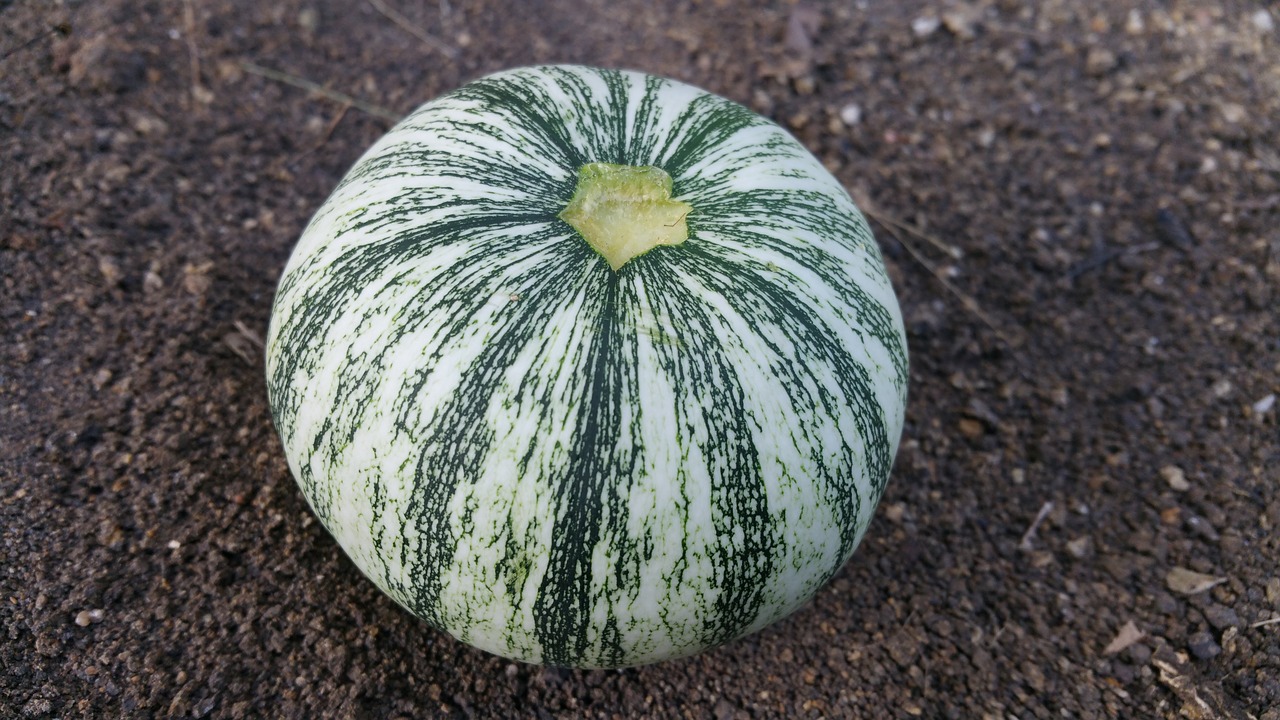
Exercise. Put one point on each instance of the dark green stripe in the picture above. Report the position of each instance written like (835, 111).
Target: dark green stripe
(457, 439)
(703, 371)
(756, 219)
(591, 482)
(755, 297)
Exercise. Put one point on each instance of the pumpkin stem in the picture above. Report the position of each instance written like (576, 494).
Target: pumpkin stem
(623, 211)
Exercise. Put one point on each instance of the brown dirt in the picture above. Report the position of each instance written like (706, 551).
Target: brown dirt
(1110, 179)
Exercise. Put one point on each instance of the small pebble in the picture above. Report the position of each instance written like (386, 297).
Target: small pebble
(1099, 62)
(1166, 603)
(1176, 478)
(1222, 387)
(1234, 113)
(1139, 653)
(1263, 406)
(1202, 527)
(1079, 548)
(110, 270)
(1203, 646)
(101, 378)
(308, 19)
(925, 25)
(152, 282)
(960, 22)
(851, 114)
(1134, 24)
(1263, 21)
(85, 618)
(1221, 617)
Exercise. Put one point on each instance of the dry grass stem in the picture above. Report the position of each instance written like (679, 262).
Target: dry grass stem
(967, 301)
(304, 84)
(405, 24)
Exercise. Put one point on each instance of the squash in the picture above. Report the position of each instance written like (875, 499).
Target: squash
(589, 368)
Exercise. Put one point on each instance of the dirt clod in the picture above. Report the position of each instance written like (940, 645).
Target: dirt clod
(1203, 646)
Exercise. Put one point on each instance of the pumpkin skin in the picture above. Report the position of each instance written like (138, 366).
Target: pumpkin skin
(560, 462)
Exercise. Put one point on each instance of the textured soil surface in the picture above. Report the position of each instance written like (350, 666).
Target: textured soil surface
(1080, 206)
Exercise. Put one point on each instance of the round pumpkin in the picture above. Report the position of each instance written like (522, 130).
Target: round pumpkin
(589, 367)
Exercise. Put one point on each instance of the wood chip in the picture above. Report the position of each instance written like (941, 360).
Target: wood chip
(802, 25)
(1192, 705)
(1128, 635)
(1190, 582)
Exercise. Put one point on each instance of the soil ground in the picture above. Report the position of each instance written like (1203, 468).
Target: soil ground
(1092, 320)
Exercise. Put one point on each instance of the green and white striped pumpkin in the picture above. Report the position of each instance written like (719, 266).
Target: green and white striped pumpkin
(559, 461)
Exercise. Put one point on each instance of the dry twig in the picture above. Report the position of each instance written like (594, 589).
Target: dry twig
(63, 29)
(887, 221)
(304, 84)
(333, 124)
(245, 343)
(199, 94)
(968, 302)
(405, 24)
(1173, 677)
(1030, 534)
